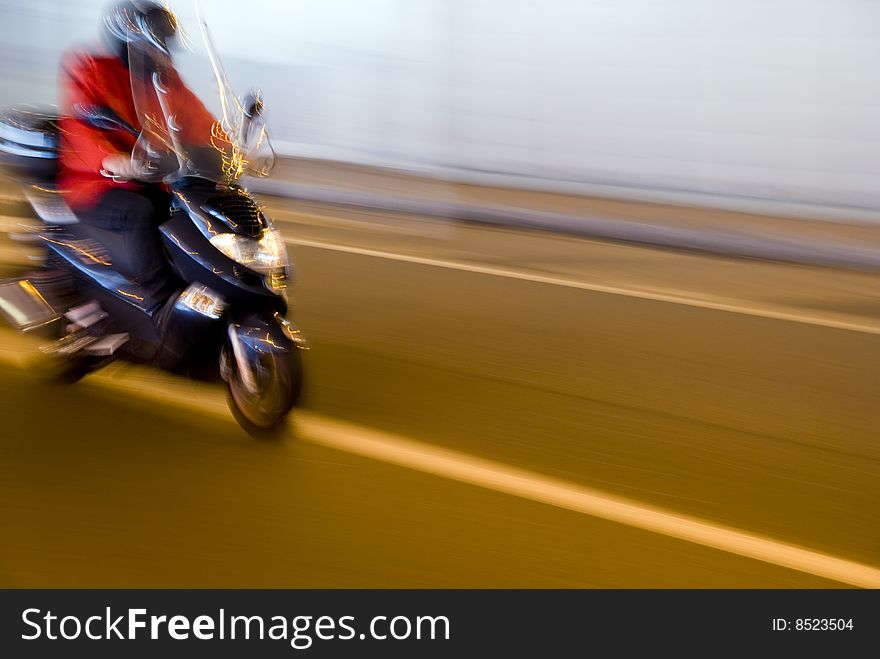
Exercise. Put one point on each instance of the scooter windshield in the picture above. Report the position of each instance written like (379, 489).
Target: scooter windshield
(179, 135)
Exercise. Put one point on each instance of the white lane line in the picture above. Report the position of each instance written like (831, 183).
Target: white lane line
(730, 307)
(497, 477)
(537, 487)
(11, 223)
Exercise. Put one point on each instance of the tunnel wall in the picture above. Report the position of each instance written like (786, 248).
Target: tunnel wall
(762, 100)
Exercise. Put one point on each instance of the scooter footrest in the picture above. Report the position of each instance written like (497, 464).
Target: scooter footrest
(69, 345)
(106, 345)
(85, 314)
(86, 322)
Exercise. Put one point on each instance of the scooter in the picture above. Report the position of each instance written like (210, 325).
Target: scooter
(230, 322)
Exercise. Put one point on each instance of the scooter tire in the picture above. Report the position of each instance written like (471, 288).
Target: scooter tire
(264, 414)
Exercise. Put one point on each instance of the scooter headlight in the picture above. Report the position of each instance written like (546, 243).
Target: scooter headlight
(268, 255)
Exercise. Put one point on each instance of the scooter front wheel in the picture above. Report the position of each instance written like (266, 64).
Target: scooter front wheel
(261, 399)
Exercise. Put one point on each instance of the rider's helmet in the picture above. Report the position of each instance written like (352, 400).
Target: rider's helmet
(139, 22)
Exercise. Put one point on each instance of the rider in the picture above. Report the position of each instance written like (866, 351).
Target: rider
(97, 171)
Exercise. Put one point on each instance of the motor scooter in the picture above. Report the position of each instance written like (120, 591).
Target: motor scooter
(229, 323)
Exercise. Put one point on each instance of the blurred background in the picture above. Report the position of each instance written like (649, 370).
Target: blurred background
(551, 256)
(769, 100)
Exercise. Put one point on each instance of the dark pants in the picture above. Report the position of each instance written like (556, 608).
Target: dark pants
(126, 223)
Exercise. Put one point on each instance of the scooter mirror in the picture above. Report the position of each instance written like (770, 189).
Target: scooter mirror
(253, 104)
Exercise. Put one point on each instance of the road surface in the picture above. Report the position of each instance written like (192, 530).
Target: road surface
(484, 408)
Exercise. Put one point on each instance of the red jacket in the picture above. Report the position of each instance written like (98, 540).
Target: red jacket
(104, 81)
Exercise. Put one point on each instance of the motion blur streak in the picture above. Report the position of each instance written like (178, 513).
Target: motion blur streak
(528, 485)
(385, 447)
(508, 387)
(761, 312)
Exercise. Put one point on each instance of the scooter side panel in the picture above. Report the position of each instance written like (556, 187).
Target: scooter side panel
(122, 299)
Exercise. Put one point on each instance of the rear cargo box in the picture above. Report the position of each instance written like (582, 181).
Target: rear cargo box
(29, 143)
